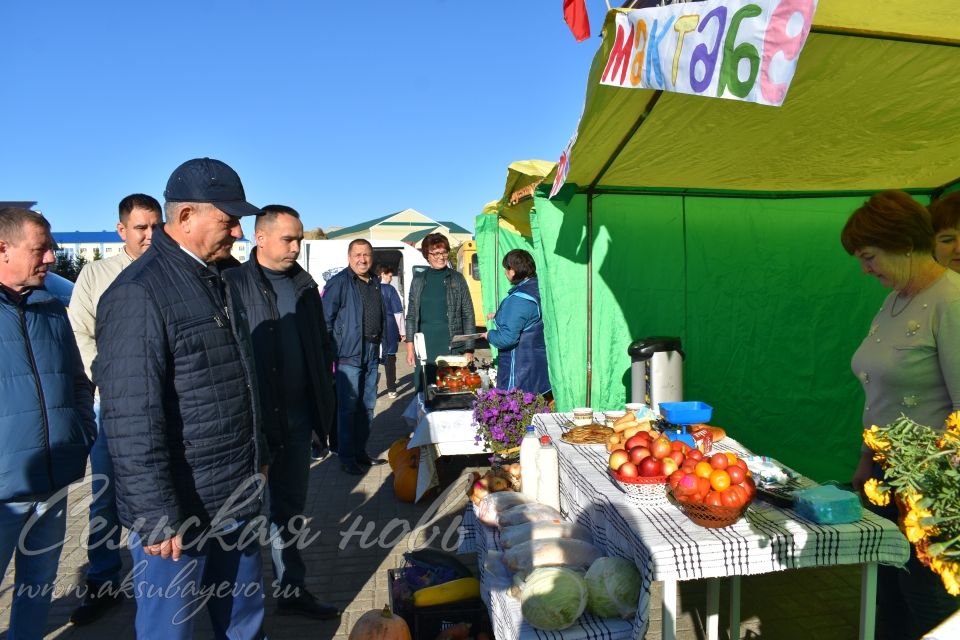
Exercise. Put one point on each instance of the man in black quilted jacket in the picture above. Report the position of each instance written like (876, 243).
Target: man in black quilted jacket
(179, 407)
(294, 361)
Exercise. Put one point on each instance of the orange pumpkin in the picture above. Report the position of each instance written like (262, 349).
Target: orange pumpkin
(380, 624)
(398, 452)
(405, 479)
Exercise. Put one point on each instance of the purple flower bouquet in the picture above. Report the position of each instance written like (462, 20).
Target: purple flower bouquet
(502, 416)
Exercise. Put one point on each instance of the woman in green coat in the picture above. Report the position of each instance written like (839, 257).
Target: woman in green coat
(440, 308)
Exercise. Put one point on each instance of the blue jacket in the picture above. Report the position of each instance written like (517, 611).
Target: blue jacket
(343, 310)
(47, 423)
(522, 362)
(177, 393)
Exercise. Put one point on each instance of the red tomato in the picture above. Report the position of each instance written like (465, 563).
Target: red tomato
(750, 487)
(731, 498)
(713, 499)
(743, 465)
(703, 486)
(676, 445)
(675, 478)
(736, 474)
(719, 461)
(684, 447)
(694, 454)
(742, 495)
(719, 480)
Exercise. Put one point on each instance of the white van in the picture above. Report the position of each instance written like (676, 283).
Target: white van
(323, 259)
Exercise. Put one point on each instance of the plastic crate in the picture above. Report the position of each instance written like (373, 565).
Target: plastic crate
(686, 412)
(426, 623)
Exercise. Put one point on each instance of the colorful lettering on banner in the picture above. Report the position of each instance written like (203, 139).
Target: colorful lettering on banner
(735, 49)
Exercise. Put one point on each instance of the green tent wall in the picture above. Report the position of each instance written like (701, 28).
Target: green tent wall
(718, 222)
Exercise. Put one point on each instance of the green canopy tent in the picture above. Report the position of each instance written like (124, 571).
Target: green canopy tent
(505, 225)
(718, 221)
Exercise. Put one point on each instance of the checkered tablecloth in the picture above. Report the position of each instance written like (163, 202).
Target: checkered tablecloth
(665, 545)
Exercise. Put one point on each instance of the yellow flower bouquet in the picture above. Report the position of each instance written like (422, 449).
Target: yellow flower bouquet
(922, 474)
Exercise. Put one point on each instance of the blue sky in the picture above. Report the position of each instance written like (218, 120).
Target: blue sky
(346, 111)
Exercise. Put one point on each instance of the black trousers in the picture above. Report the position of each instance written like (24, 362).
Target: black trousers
(390, 369)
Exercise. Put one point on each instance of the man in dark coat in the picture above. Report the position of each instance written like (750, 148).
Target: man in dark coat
(293, 358)
(356, 320)
(179, 406)
(46, 418)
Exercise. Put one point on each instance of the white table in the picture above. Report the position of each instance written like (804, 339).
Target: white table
(668, 547)
(449, 432)
(505, 615)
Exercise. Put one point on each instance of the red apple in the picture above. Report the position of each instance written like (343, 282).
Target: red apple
(660, 448)
(617, 458)
(638, 453)
(650, 467)
(676, 445)
(639, 440)
(669, 465)
(628, 470)
(677, 456)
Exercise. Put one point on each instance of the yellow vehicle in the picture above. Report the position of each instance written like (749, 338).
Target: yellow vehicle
(469, 268)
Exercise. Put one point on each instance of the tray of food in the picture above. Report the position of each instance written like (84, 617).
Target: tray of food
(593, 433)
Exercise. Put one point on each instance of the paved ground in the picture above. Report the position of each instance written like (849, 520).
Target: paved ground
(351, 570)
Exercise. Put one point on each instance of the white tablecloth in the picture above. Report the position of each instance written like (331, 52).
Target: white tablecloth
(508, 623)
(449, 432)
(665, 545)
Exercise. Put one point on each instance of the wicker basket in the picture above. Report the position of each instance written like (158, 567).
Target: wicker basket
(644, 492)
(708, 516)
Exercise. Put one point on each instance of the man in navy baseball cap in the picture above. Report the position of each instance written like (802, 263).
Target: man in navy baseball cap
(208, 180)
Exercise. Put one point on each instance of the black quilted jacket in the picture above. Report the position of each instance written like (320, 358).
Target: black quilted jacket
(176, 379)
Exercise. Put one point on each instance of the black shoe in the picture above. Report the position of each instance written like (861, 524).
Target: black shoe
(352, 468)
(304, 604)
(371, 462)
(95, 604)
(318, 453)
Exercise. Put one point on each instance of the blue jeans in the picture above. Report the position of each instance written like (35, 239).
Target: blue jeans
(103, 542)
(288, 479)
(43, 525)
(356, 402)
(227, 579)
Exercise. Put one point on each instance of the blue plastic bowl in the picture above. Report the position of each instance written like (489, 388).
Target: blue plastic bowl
(686, 412)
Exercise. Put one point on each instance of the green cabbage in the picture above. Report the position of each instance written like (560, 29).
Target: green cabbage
(613, 588)
(553, 598)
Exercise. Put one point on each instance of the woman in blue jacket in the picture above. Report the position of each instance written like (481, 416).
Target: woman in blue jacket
(522, 361)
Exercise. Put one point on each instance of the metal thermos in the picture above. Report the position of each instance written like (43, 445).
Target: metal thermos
(656, 371)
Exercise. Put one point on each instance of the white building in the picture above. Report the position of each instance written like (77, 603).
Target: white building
(108, 243)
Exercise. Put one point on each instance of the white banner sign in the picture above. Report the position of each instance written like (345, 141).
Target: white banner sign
(736, 49)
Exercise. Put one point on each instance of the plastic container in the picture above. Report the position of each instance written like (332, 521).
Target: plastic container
(686, 412)
(548, 466)
(529, 475)
(827, 504)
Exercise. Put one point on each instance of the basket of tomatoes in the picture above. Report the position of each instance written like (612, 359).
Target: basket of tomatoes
(713, 492)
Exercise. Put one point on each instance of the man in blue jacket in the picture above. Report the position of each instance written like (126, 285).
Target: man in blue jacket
(294, 367)
(356, 320)
(46, 418)
(179, 405)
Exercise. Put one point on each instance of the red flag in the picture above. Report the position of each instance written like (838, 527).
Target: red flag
(575, 15)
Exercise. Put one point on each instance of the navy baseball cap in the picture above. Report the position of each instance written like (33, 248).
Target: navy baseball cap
(208, 180)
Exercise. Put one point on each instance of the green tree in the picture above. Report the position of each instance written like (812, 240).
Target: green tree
(67, 266)
(97, 255)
